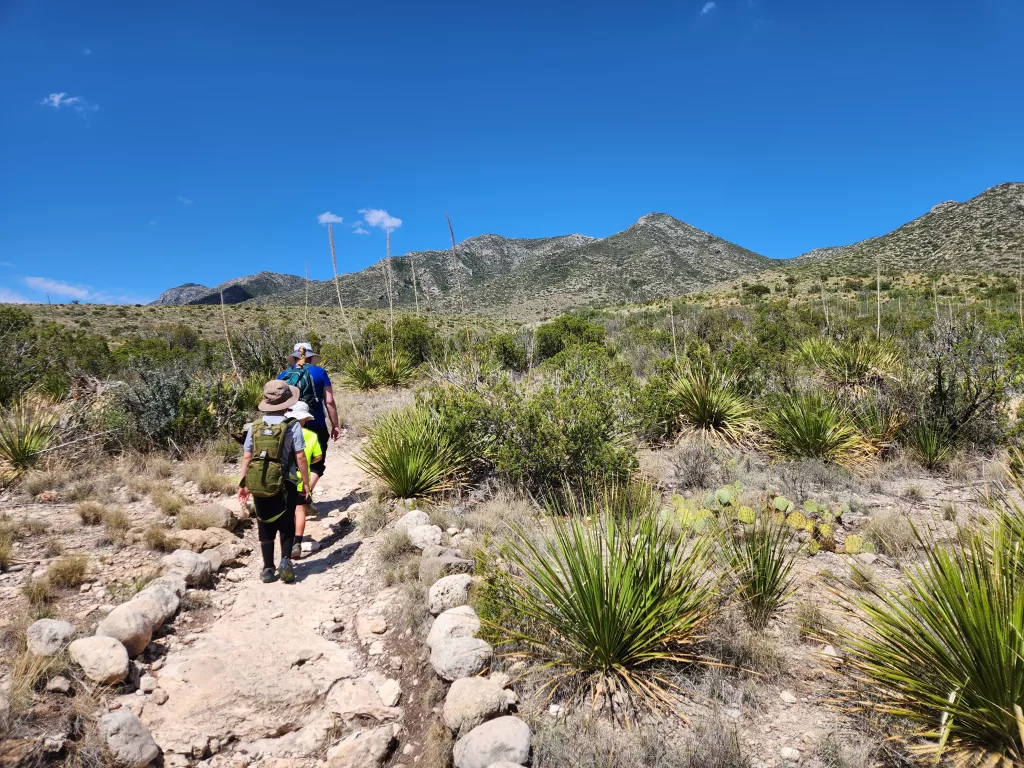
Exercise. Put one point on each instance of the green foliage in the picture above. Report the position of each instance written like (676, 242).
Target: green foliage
(411, 454)
(811, 425)
(25, 431)
(852, 363)
(415, 339)
(945, 650)
(564, 332)
(759, 559)
(508, 352)
(602, 604)
(708, 401)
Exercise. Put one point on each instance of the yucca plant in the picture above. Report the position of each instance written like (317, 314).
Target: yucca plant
(759, 559)
(709, 402)
(854, 364)
(26, 431)
(604, 601)
(931, 443)
(249, 392)
(879, 422)
(361, 373)
(394, 371)
(811, 425)
(945, 651)
(412, 455)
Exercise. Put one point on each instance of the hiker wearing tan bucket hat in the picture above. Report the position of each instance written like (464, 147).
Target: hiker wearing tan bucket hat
(273, 450)
(315, 390)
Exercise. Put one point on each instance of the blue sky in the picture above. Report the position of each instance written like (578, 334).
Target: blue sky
(145, 144)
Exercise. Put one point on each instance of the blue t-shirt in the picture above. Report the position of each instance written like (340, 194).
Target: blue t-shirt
(320, 381)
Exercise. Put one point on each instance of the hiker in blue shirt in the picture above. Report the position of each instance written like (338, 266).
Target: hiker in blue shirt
(315, 390)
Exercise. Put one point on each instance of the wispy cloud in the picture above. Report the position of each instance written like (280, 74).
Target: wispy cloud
(152, 222)
(87, 51)
(358, 230)
(378, 217)
(77, 103)
(184, 200)
(6, 264)
(329, 218)
(708, 7)
(58, 288)
(7, 296)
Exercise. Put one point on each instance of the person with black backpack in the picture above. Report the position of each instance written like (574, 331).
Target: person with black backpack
(314, 385)
(273, 449)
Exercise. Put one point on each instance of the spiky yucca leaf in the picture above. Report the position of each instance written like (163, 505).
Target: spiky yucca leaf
(810, 425)
(603, 603)
(410, 453)
(759, 560)
(852, 363)
(709, 402)
(25, 431)
(249, 391)
(945, 650)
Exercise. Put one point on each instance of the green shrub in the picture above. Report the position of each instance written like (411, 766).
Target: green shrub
(411, 454)
(605, 604)
(945, 650)
(564, 332)
(508, 352)
(810, 425)
(759, 558)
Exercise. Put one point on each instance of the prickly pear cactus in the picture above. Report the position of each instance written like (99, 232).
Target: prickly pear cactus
(827, 517)
(811, 507)
(813, 547)
(853, 545)
(782, 504)
(726, 496)
(796, 520)
(825, 535)
(746, 515)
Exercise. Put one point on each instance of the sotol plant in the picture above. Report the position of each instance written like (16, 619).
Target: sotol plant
(708, 402)
(811, 425)
(411, 454)
(759, 558)
(25, 431)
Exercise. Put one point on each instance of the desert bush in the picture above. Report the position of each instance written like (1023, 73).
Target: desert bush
(708, 401)
(945, 650)
(810, 425)
(26, 431)
(393, 547)
(411, 454)
(68, 572)
(167, 501)
(90, 512)
(564, 332)
(759, 560)
(159, 539)
(508, 352)
(697, 465)
(373, 516)
(116, 524)
(194, 519)
(603, 604)
(261, 351)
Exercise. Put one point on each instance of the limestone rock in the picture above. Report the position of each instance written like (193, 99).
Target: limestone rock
(390, 692)
(423, 536)
(103, 659)
(158, 603)
(412, 520)
(58, 684)
(790, 754)
(506, 739)
(128, 624)
(449, 592)
(220, 516)
(195, 570)
(128, 740)
(231, 552)
(472, 701)
(215, 557)
(455, 622)
(460, 657)
(147, 684)
(48, 637)
(362, 749)
(358, 698)
(370, 624)
(433, 568)
(174, 582)
(200, 541)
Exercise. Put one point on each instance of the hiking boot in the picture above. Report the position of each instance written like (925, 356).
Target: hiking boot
(284, 570)
(311, 510)
(268, 575)
(297, 552)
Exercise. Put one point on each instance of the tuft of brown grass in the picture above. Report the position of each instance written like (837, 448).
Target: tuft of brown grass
(195, 520)
(159, 539)
(6, 550)
(892, 533)
(90, 512)
(80, 490)
(159, 467)
(205, 471)
(37, 592)
(68, 572)
(439, 747)
(116, 525)
(373, 517)
(167, 501)
(393, 547)
(40, 481)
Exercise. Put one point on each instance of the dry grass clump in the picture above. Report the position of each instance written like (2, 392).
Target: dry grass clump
(167, 501)
(90, 512)
(68, 571)
(159, 539)
(37, 592)
(373, 516)
(558, 743)
(504, 508)
(159, 467)
(437, 752)
(116, 525)
(404, 571)
(393, 547)
(40, 481)
(6, 551)
(28, 673)
(80, 490)
(195, 519)
(812, 622)
(892, 533)
(833, 753)
(205, 471)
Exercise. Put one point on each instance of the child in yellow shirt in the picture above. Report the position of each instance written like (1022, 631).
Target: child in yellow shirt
(300, 412)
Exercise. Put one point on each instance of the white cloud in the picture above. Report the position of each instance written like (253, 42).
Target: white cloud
(378, 217)
(8, 296)
(708, 7)
(184, 200)
(358, 230)
(58, 288)
(77, 103)
(6, 264)
(329, 218)
(86, 51)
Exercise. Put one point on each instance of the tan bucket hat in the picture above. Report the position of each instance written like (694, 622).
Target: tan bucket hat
(278, 397)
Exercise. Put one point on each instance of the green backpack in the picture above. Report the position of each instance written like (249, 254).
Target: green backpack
(265, 476)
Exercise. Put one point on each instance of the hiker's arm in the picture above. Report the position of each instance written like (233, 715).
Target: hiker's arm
(300, 459)
(332, 412)
(243, 492)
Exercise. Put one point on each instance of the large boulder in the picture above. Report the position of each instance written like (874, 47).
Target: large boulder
(362, 749)
(506, 739)
(219, 517)
(423, 536)
(411, 520)
(129, 742)
(449, 592)
(103, 659)
(473, 701)
(460, 657)
(433, 568)
(48, 637)
(195, 570)
(455, 622)
(202, 540)
(158, 603)
(171, 581)
(132, 624)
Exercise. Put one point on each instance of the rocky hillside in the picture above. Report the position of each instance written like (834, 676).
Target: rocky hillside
(657, 256)
(235, 291)
(984, 234)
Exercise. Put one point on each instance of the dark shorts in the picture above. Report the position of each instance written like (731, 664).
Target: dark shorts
(279, 507)
(323, 434)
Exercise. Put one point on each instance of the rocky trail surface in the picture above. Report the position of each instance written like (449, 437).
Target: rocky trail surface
(287, 675)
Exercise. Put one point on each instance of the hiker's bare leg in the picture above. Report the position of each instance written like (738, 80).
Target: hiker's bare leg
(300, 529)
